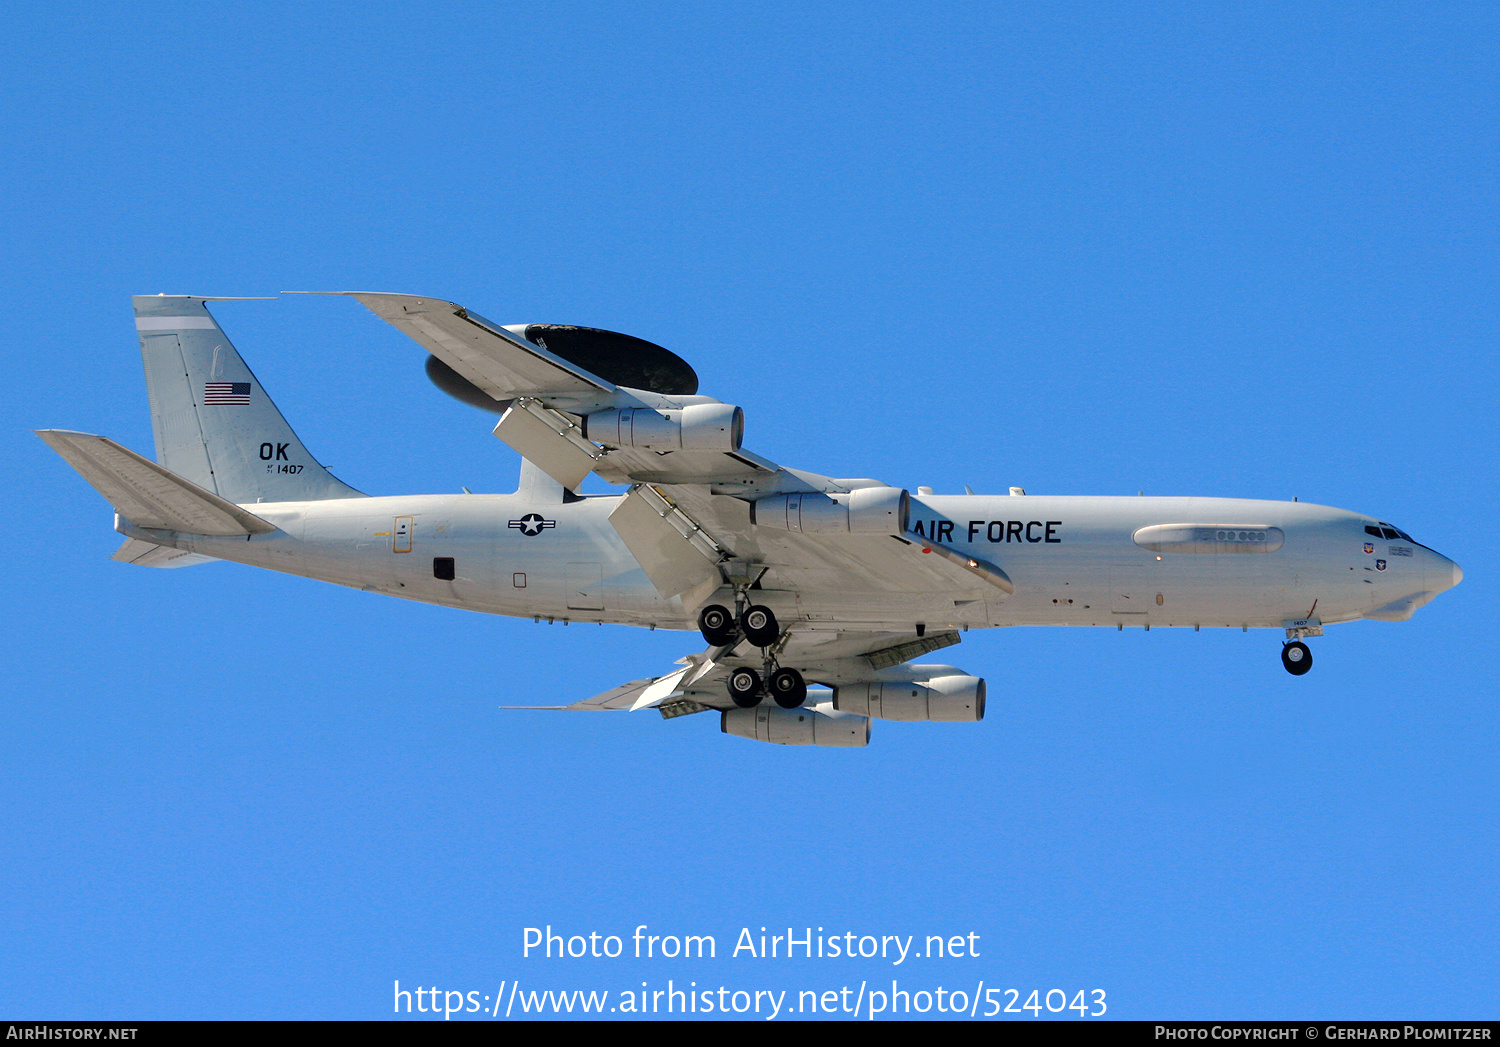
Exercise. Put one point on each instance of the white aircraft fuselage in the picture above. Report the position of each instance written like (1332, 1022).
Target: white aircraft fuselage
(1073, 561)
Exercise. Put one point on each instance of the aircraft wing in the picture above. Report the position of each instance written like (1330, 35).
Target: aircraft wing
(507, 367)
(684, 536)
(616, 699)
(688, 511)
(828, 657)
(839, 562)
(503, 364)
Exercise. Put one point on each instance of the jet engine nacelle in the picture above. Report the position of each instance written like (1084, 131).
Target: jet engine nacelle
(697, 427)
(947, 699)
(868, 510)
(819, 725)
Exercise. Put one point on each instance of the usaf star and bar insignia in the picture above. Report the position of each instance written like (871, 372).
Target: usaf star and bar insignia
(532, 524)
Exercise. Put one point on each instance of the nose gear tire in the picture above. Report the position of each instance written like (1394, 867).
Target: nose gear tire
(1296, 657)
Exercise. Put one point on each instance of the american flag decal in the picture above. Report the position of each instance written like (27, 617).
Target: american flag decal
(233, 394)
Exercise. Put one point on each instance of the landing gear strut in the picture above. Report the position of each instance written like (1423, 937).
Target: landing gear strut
(756, 623)
(1296, 657)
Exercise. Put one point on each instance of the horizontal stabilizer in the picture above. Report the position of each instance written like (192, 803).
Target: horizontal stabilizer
(147, 494)
(149, 554)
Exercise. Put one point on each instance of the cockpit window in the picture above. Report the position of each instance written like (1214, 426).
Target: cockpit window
(1391, 534)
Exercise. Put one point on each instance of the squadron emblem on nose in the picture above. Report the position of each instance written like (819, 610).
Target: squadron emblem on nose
(1369, 548)
(532, 524)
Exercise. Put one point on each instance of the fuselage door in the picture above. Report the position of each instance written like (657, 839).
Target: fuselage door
(401, 535)
(585, 587)
(1131, 590)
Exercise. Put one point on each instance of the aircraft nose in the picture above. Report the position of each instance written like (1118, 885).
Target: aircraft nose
(1445, 574)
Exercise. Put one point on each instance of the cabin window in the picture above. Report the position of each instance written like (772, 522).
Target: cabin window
(1240, 536)
(442, 568)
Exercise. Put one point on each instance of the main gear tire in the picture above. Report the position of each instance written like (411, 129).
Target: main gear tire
(744, 688)
(759, 625)
(788, 688)
(716, 623)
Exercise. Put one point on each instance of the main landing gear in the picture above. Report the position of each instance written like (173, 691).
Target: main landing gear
(786, 687)
(758, 625)
(1296, 657)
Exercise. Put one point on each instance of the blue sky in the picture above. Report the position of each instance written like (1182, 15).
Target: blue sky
(1085, 249)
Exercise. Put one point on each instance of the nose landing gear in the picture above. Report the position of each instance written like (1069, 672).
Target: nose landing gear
(1296, 657)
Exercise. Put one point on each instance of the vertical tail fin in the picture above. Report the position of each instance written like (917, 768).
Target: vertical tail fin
(214, 424)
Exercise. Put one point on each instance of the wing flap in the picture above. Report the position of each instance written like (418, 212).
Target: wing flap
(147, 494)
(671, 548)
(728, 468)
(547, 439)
(840, 563)
(668, 686)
